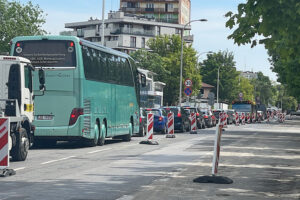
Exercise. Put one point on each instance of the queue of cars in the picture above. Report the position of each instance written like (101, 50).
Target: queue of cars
(182, 119)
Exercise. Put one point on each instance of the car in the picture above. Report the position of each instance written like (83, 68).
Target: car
(181, 118)
(217, 114)
(160, 122)
(199, 116)
(143, 124)
(230, 116)
(209, 118)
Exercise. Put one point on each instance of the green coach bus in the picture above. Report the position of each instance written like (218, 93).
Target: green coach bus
(92, 92)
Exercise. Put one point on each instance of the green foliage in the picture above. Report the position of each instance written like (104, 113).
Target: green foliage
(263, 89)
(288, 102)
(277, 24)
(17, 19)
(246, 88)
(164, 60)
(228, 80)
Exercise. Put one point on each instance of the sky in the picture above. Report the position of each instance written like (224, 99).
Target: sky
(208, 36)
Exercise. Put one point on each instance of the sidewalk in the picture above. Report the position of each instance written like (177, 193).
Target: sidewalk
(264, 163)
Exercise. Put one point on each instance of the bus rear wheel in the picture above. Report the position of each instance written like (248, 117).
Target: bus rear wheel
(127, 138)
(101, 140)
(93, 142)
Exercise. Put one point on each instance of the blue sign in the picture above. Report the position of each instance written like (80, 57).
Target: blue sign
(187, 91)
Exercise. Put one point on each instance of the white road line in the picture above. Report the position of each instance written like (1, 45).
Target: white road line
(51, 161)
(99, 150)
(19, 168)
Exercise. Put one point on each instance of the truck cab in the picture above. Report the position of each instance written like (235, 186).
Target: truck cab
(16, 103)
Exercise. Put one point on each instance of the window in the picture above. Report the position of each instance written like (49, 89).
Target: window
(28, 78)
(105, 67)
(133, 42)
(143, 43)
(149, 5)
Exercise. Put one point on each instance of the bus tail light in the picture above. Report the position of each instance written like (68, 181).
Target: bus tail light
(76, 112)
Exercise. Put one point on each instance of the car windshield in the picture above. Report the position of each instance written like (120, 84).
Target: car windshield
(155, 112)
(174, 110)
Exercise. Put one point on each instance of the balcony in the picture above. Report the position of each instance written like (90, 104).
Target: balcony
(119, 31)
(112, 44)
(149, 10)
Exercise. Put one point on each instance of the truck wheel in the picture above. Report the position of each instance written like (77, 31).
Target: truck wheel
(93, 142)
(20, 150)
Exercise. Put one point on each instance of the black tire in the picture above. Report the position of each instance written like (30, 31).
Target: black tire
(101, 139)
(142, 132)
(165, 130)
(127, 137)
(20, 150)
(93, 142)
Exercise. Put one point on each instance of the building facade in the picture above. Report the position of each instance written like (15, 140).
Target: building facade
(249, 75)
(170, 11)
(126, 32)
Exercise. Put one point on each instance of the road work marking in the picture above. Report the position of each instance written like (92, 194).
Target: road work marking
(19, 168)
(99, 150)
(52, 161)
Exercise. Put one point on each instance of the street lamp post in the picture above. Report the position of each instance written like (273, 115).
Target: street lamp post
(103, 12)
(181, 56)
(218, 86)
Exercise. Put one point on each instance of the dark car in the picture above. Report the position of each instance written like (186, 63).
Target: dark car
(160, 119)
(209, 118)
(181, 118)
(143, 123)
(217, 114)
(199, 116)
(230, 116)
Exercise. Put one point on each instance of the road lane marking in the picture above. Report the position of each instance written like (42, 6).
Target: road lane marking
(52, 161)
(99, 150)
(19, 168)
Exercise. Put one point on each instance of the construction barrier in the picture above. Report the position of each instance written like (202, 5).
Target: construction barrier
(248, 118)
(171, 133)
(243, 118)
(216, 159)
(268, 117)
(193, 129)
(237, 119)
(149, 135)
(4, 145)
(253, 118)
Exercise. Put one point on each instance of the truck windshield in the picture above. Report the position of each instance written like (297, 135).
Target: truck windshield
(47, 53)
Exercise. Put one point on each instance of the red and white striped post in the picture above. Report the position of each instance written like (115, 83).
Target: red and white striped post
(150, 121)
(248, 118)
(243, 118)
(237, 119)
(253, 118)
(171, 133)
(268, 117)
(4, 144)
(149, 135)
(193, 123)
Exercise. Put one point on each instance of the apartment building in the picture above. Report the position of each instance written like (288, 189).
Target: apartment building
(170, 11)
(126, 32)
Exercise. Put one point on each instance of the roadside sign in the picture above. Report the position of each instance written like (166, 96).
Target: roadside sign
(188, 91)
(188, 83)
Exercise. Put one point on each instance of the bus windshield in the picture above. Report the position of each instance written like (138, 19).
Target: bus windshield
(47, 53)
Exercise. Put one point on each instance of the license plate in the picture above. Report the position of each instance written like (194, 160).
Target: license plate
(44, 117)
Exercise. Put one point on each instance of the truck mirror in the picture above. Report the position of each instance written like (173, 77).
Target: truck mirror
(42, 79)
(143, 80)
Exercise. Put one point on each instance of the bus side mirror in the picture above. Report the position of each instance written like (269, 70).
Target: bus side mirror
(143, 80)
(42, 79)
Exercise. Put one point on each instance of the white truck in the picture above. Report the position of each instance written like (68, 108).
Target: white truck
(16, 102)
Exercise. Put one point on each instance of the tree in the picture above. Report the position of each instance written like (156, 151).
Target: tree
(17, 19)
(164, 60)
(228, 76)
(276, 23)
(246, 88)
(263, 89)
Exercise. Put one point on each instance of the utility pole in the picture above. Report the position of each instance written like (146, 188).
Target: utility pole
(103, 12)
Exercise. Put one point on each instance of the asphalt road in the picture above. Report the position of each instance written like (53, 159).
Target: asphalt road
(261, 159)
